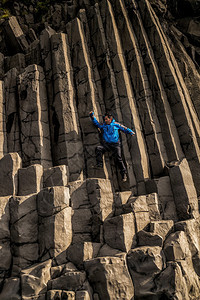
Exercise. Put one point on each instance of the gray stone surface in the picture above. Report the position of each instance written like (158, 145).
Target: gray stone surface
(34, 117)
(119, 232)
(55, 176)
(3, 143)
(34, 279)
(66, 137)
(101, 197)
(69, 281)
(11, 110)
(9, 166)
(52, 200)
(184, 191)
(17, 39)
(145, 263)
(103, 270)
(11, 289)
(55, 233)
(30, 180)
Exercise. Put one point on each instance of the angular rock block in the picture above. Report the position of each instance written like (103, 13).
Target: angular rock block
(4, 218)
(121, 198)
(81, 221)
(34, 123)
(24, 255)
(24, 231)
(60, 295)
(71, 281)
(82, 237)
(149, 239)
(101, 197)
(30, 180)
(176, 246)
(56, 176)
(161, 227)
(17, 39)
(11, 110)
(24, 219)
(79, 195)
(57, 271)
(192, 230)
(16, 61)
(5, 256)
(11, 289)
(183, 283)
(104, 270)
(154, 206)
(9, 166)
(52, 200)
(119, 232)
(108, 251)
(145, 263)
(176, 287)
(185, 195)
(191, 278)
(34, 279)
(79, 252)
(139, 207)
(166, 198)
(55, 233)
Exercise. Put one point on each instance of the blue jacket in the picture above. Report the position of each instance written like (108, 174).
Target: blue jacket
(111, 131)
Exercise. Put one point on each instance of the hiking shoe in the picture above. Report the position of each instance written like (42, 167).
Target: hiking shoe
(124, 177)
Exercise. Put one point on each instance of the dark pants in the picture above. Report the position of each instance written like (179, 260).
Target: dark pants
(117, 152)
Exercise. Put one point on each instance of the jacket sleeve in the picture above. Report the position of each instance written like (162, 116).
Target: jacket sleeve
(95, 122)
(124, 129)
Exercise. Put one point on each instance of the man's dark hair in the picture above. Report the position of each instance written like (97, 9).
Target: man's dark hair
(108, 114)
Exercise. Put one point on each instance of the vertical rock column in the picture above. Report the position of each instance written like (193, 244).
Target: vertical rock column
(16, 38)
(12, 117)
(87, 93)
(168, 128)
(66, 139)
(33, 113)
(127, 100)
(108, 79)
(3, 140)
(5, 253)
(143, 93)
(185, 195)
(55, 226)
(24, 232)
(9, 166)
(184, 114)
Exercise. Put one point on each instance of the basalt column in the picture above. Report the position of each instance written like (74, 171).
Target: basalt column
(3, 139)
(33, 112)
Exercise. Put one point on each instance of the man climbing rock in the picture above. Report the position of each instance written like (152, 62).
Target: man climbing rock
(111, 141)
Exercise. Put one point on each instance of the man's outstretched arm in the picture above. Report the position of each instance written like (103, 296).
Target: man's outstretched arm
(125, 129)
(94, 120)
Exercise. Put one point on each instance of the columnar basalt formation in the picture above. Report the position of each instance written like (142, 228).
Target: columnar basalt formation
(68, 230)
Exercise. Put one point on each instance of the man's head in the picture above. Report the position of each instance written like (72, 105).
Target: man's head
(108, 118)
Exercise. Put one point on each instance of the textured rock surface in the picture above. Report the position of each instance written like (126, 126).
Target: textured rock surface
(68, 230)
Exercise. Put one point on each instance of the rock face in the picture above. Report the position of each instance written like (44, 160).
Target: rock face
(68, 230)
